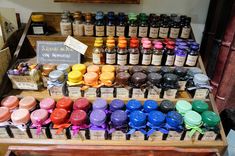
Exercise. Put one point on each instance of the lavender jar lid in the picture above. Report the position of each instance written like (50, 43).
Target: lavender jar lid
(119, 118)
(200, 79)
(181, 52)
(100, 104)
(116, 104)
(97, 117)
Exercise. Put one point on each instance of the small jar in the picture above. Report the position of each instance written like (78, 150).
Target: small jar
(134, 56)
(168, 56)
(108, 68)
(107, 79)
(81, 104)
(116, 104)
(183, 107)
(91, 80)
(20, 124)
(74, 83)
(193, 71)
(157, 55)
(146, 53)
(151, 69)
(98, 55)
(122, 85)
(65, 68)
(100, 104)
(5, 116)
(38, 25)
(192, 56)
(133, 105)
(138, 80)
(46, 69)
(65, 103)
(93, 68)
(199, 106)
(170, 86)
(98, 126)
(166, 106)
(156, 130)
(47, 104)
(118, 125)
(150, 105)
(137, 126)
(154, 85)
(79, 128)
(180, 57)
(79, 67)
(122, 69)
(11, 102)
(78, 25)
(56, 83)
(65, 24)
(181, 72)
(28, 103)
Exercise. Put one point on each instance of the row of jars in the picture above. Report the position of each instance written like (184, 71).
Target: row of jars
(67, 119)
(133, 25)
(160, 53)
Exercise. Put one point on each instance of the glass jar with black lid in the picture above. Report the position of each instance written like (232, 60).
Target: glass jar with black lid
(138, 84)
(181, 72)
(154, 85)
(170, 86)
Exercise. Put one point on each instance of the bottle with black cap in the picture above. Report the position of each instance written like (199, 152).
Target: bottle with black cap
(186, 29)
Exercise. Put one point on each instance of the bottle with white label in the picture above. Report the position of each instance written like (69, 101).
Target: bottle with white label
(110, 27)
(132, 25)
(164, 29)
(192, 56)
(180, 57)
(88, 26)
(110, 52)
(157, 55)
(121, 25)
(175, 29)
(186, 29)
(154, 27)
(38, 25)
(65, 25)
(78, 26)
(122, 52)
(134, 52)
(98, 53)
(143, 25)
(146, 53)
(168, 56)
(99, 24)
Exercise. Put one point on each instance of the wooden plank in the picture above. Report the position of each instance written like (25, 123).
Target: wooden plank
(101, 1)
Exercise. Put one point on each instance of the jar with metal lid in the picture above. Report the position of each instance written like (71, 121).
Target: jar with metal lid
(66, 24)
(138, 84)
(5, 116)
(56, 83)
(170, 86)
(38, 25)
(78, 25)
(122, 85)
(154, 85)
(65, 68)
(181, 72)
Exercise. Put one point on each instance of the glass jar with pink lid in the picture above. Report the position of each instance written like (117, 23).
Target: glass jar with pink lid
(11, 102)
(5, 116)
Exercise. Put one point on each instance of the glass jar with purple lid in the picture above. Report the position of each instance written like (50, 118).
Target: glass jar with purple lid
(116, 104)
(100, 104)
(180, 57)
(192, 56)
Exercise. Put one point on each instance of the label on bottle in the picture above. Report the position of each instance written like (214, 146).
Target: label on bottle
(90, 93)
(201, 93)
(89, 30)
(66, 28)
(132, 31)
(97, 135)
(137, 135)
(38, 30)
(18, 134)
(182, 85)
(3, 133)
(138, 93)
(118, 135)
(81, 135)
(174, 32)
(122, 93)
(156, 60)
(163, 32)
(120, 31)
(170, 94)
(110, 30)
(156, 136)
(179, 60)
(146, 60)
(143, 31)
(153, 93)
(106, 92)
(134, 59)
(110, 58)
(193, 138)
(74, 91)
(99, 31)
(122, 59)
(209, 136)
(42, 134)
(174, 136)
(96, 58)
(56, 90)
(78, 29)
(185, 33)
(191, 60)
(62, 135)
(153, 32)
(170, 60)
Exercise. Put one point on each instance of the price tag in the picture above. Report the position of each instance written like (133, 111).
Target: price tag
(23, 82)
(201, 93)
(173, 135)
(194, 137)
(106, 92)
(18, 134)
(97, 134)
(90, 93)
(42, 135)
(138, 93)
(156, 136)
(118, 135)
(122, 93)
(80, 136)
(74, 91)
(153, 94)
(76, 45)
(56, 91)
(3, 133)
(182, 85)
(170, 94)
(209, 136)
(62, 135)
(137, 135)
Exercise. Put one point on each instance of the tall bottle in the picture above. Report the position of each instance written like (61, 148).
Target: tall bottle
(175, 28)
(133, 26)
(110, 52)
(146, 53)
(121, 25)
(186, 29)
(157, 55)
(122, 52)
(168, 56)
(99, 24)
(154, 27)
(110, 27)
(65, 24)
(98, 55)
(78, 26)
(134, 52)
(143, 25)
(192, 56)
(164, 29)
(88, 26)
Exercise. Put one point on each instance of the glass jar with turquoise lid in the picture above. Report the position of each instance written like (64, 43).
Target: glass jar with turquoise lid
(183, 107)
(199, 106)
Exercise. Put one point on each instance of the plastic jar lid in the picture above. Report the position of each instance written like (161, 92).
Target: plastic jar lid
(200, 79)
(91, 78)
(183, 106)
(194, 70)
(107, 76)
(47, 68)
(199, 106)
(138, 118)
(155, 78)
(56, 75)
(47, 103)
(166, 69)
(5, 114)
(65, 68)
(136, 69)
(192, 118)
(28, 102)
(97, 117)
(108, 68)
(37, 18)
(78, 117)
(174, 119)
(138, 79)
(82, 104)
(20, 116)
(79, 67)
(100, 104)
(65, 103)
(75, 76)
(116, 104)
(133, 105)
(170, 78)
(180, 71)
(150, 105)
(166, 106)
(93, 68)
(122, 78)
(210, 118)
(10, 101)
(119, 118)
(152, 69)
(39, 116)
(59, 116)
(156, 118)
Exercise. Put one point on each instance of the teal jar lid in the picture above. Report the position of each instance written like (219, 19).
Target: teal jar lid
(199, 106)
(192, 118)
(183, 106)
(210, 118)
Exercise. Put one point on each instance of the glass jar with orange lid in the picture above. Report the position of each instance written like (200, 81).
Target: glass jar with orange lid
(110, 52)
(107, 80)
(122, 52)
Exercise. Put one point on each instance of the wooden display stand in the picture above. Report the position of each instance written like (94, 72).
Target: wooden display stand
(52, 20)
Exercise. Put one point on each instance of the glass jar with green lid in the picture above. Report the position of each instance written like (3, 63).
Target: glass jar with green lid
(210, 125)
(199, 106)
(132, 23)
(183, 107)
(193, 123)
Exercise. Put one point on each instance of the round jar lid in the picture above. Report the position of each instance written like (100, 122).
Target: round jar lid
(79, 67)
(138, 79)
(133, 105)
(155, 78)
(47, 103)
(138, 118)
(122, 69)
(119, 118)
(150, 105)
(59, 116)
(152, 69)
(100, 104)
(174, 119)
(194, 70)
(20, 116)
(192, 118)
(81, 103)
(210, 118)
(166, 106)
(165, 70)
(156, 118)
(107, 76)
(97, 117)
(199, 106)
(65, 103)
(47, 68)
(5, 114)
(65, 68)
(122, 78)
(56, 75)
(10, 101)
(93, 68)
(200, 79)
(78, 117)
(91, 78)
(108, 68)
(170, 78)
(183, 106)
(180, 71)
(75, 76)
(28, 102)
(136, 69)
(116, 104)
(39, 116)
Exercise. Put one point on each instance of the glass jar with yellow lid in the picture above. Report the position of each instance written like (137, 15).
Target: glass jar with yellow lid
(38, 25)
(79, 67)
(74, 83)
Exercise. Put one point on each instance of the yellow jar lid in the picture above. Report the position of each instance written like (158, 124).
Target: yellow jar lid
(110, 38)
(37, 18)
(98, 38)
(75, 76)
(106, 77)
(108, 68)
(79, 67)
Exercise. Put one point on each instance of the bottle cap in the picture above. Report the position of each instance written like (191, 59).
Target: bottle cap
(133, 45)
(166, 106)
(180, 71)
(157, 42)
(93, 68)
(200, 79)
(152, 69)
(28, 102)
(132, 16)
(210, 118)
(56, 75)
(47, 103)
(20, 116)
(65, 68)
(108, 68)
(107, 77)
(145, 41)
(78, 117)
(121, 38)
(156, 118)
(134, 41)
(79, 67)
(88, 16)
(138, 118)
(172, 43)
(10, 101)
(192, 118)
(100, 104)
(97, 117)
(39, 116)
(65, 103)
(75, 76)
(199, 106)
(116, 104)
(5, 114)
(133, 105)
(155, 78)
(174, 119)
(119, 118)
(138, 79)
(146, 45)
(82, 104)
(91, 78)
(59, 116)
(37, 18)
(183, 106)
(170, 47)
(158, 46)
(77, 15)
(150, 105)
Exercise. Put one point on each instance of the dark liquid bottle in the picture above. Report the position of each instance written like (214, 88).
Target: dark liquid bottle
(88, 26)
(186, 29)
(168, 56)
(121, 25)
(99, 24)
(143, 25)
(164, 29)
(192, 56)
(154, 27)
(110, 28)
(175, 29)
(132, 25)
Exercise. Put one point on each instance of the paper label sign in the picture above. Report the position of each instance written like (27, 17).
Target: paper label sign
(56, 53)
(75, 45)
